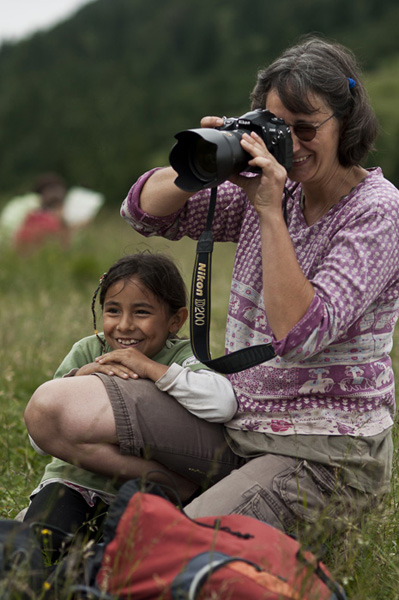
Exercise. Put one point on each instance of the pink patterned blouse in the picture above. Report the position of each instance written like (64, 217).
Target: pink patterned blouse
(332, 374)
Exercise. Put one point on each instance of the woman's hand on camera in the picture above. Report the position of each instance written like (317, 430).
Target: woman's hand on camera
(264, 191)
(212, 122)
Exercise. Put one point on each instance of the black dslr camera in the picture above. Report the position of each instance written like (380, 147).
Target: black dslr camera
(204, 158)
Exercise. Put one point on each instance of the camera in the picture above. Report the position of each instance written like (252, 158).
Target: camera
(204, 158)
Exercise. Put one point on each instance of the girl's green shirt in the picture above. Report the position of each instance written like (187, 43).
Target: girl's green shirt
(83, 352)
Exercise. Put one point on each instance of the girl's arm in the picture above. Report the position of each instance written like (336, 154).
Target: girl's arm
(82, 353)
(206, 394)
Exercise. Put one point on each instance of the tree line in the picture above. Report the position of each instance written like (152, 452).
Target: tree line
(99, 97)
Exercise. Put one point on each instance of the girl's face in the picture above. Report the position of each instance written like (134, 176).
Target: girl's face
(134, 318)
(314, 162)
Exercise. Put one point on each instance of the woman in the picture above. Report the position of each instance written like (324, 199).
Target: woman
(313, 426)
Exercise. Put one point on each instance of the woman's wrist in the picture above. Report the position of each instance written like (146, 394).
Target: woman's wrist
(270, 215)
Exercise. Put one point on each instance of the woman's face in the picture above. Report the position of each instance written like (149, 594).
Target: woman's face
(314, 162)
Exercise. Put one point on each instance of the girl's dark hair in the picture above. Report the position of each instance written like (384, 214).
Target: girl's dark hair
(157, 272)
(323, 68)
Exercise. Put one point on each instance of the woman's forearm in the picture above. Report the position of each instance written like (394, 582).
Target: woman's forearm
(287, 292)
(160, 196)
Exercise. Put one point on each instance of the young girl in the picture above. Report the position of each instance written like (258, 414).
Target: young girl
(143, 301)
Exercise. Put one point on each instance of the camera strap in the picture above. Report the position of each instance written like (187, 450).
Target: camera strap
(200, 311)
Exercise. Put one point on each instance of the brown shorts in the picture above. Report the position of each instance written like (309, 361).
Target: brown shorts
(153, 425)
(284, 491)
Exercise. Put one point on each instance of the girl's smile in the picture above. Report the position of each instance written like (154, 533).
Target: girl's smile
(126, 342)
(134, 318)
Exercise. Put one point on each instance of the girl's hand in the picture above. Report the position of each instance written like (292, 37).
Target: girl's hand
(130, 362)
(107, 369)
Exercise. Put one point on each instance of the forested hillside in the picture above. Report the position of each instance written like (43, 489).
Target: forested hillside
(100, 97)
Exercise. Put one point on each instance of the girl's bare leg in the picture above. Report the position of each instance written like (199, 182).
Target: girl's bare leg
(72, 419)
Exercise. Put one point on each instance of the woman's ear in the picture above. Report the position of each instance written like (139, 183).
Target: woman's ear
(178, 319)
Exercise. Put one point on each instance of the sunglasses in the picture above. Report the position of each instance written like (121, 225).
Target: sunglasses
(307, 132)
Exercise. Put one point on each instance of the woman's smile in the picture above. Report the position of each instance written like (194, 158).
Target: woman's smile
(298, 161)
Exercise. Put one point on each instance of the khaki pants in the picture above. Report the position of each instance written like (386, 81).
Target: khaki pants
(283, 491)
(288, 493)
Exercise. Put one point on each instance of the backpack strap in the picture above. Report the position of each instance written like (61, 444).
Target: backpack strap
(188, 583)
(338, 592)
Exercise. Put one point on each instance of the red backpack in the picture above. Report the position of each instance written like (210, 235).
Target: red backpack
(152, 551)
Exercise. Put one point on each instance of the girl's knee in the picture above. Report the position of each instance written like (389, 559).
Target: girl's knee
(43, 414)
(64, 413)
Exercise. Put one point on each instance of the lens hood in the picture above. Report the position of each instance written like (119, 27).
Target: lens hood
(204, 158)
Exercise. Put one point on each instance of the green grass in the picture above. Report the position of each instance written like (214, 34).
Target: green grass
(45, 308)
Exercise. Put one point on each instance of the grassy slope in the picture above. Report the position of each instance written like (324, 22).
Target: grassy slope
(45, 307)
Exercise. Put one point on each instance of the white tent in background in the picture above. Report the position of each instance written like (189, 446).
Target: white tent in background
(81, 206)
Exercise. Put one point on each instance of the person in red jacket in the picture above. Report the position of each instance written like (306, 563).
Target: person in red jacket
(47, 222)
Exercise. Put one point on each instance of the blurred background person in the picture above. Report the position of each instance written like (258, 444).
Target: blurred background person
(47, 221)
(50, 211)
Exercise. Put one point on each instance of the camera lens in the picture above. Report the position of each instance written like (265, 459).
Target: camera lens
(202, 160)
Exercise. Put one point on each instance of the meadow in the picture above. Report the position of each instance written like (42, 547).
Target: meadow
(45, 308)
